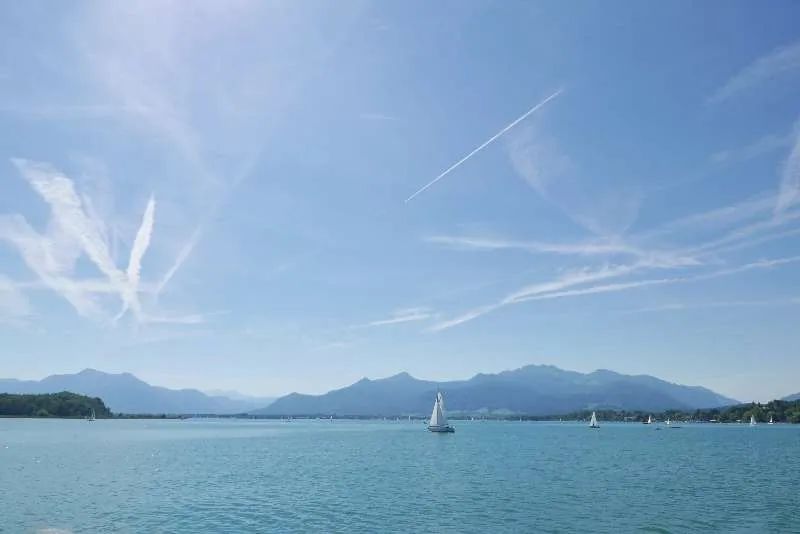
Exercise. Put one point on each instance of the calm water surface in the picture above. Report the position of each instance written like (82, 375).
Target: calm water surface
(261, 476)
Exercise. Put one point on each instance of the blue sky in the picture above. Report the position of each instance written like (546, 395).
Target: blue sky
(213, 195)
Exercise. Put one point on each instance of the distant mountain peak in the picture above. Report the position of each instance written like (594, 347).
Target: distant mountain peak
(124, 392)
(531, 389)
(400, 376)
(605, 372)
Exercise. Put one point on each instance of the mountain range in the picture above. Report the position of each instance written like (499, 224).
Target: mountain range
(532, 390)
(124, 393)
(793, 397)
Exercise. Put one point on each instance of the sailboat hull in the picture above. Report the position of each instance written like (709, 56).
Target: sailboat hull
(447, 428)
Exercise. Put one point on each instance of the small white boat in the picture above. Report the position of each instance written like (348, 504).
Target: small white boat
(668, 422)
(91, 416)
(752, 420)
(438, 422)
(593, 421)
(649, 420)
(770, 421)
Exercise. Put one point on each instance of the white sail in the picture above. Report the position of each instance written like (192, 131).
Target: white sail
(593, 421)
(649, 419)
(438, 418)
(668, 421)
(770, 420)
(752, 420)
(438, 422)
(436, 415)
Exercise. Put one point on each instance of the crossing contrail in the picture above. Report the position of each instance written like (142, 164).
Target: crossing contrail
(485, 144)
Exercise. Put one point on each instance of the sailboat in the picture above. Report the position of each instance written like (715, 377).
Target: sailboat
(91, 416)
(649, 420)
(670, 425)
(438, 422)
(593, 421)
(752, 420)
(770, 421)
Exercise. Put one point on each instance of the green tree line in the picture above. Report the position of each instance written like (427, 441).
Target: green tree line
(64, 404)
(780, 412)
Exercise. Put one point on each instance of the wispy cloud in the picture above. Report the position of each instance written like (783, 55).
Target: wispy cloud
(744, 224)
(140, 244)
(465, 317)
(740, 225)
(682, 306)
(762, 146)
(607, 288)
(378, 117)
(789, 192)
(69, 214)
(485, 144)
(145, 74)
(607, 248)
(588, 248)
(74, 230)
(717, 218)
(51, 259)
(14, 305)
(190, 319)
(569, 279)
(746, 234)
(406, 315)
(776, 63)
(182, 256)
(560, 288)
(605, 208)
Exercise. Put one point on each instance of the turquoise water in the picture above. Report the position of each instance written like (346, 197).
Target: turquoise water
(380, 476)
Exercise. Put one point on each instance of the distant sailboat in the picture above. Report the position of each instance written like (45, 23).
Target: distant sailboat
(770, 421)
(752, 420)
(438, 422)
(593, 421)
(668, 421)
(649, 420)
(91, 416)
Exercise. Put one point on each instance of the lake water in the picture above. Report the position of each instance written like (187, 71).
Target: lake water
(380, 476)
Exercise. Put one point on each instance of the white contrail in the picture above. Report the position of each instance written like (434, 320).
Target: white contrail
(487, 143)
(184, 253)
(67, 211)
(140, 245)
